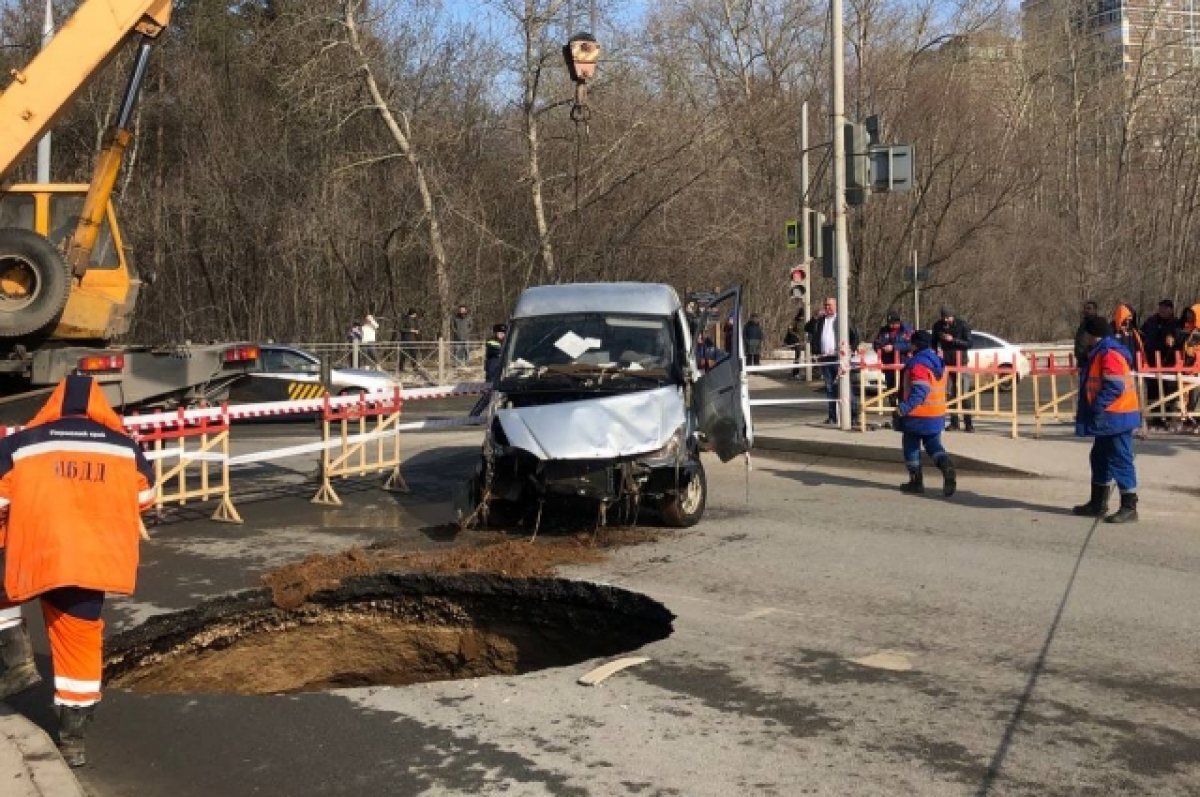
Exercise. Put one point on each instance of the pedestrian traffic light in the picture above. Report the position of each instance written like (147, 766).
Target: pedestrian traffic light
(792, 229)
(858, 163)
(799, 282)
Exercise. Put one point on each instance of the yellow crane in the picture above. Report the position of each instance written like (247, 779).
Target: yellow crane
(67, 288)
(63, 271)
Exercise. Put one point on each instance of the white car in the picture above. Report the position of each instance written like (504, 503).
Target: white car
(987, 351)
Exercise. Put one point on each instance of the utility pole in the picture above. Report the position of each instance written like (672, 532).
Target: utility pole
(43, 148)
(805, 230)
(916, 293)
(841, 245)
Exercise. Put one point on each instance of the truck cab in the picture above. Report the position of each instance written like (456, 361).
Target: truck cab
(606, 396)
(99, 306)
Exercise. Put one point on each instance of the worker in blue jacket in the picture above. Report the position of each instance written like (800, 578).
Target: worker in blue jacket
(1108, 411)
(921, 415)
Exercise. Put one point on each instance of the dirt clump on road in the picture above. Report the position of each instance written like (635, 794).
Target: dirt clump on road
(292, 584)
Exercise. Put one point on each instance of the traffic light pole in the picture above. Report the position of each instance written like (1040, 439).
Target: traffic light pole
(805, 232)
(841, 243)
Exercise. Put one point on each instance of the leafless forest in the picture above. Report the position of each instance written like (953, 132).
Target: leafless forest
(299, 163)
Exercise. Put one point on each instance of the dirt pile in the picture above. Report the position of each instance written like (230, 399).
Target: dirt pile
(291, 585)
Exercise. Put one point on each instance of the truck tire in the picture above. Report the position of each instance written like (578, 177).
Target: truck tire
(684, 508)
(35, 282)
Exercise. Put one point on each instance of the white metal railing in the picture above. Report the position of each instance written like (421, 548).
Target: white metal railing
(432, 362)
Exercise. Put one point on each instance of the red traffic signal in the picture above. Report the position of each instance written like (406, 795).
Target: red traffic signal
(798, 275)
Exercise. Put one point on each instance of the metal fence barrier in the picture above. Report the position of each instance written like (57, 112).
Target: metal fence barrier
(431, 362)
(982, 389)
(366, 440)
(198, 474)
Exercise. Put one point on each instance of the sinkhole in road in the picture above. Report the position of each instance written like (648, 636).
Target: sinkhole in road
(383, 629)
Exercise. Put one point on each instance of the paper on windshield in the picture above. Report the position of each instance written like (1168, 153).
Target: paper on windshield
(573, 345)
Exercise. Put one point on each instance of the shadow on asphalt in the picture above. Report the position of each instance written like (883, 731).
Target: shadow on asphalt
(1039, 666)
(933, 489)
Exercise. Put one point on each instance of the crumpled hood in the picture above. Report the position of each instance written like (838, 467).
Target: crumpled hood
(78, 396)
(600, 428)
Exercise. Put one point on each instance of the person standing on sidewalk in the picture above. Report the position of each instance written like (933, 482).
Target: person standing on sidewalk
(1090, 310)
(892, 345)
(823, 343)
(752, 337)
(1108, 411)
(72, 485)
(460, 328)
(1159, 334)
(921, 416)
(410, 332)
(952, 340)
(492, 347)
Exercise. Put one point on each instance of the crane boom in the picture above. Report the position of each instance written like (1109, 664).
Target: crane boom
(41, 91)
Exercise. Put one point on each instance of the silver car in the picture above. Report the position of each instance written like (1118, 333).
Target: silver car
(605, 396)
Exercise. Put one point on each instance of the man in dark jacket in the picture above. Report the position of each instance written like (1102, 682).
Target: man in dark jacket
(1108, 411)
(491, 353)
(410, 332)
(1159, 335)
(892, 344)
(752, 337)
(1090, 309)
(952, 340)
(921, 415)
(460, 329)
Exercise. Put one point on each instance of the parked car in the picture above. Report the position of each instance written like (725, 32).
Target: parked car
(987, 350)
(286, 372)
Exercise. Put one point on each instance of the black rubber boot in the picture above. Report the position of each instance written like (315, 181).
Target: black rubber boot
(968, 425)
(949, 475)
(72, 726)
(1128, 511)
(17, 669)
(1095, 507)
(915, 484)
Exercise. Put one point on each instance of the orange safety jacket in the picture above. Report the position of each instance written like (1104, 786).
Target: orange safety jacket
(73, 484)
(1112, 366)
(934, 404)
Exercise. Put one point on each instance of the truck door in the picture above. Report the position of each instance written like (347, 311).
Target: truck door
(721, 398)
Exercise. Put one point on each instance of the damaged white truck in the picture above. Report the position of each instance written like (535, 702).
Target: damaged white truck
(607, 396)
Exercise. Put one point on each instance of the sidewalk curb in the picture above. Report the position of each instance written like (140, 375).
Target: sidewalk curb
(874, 453)
(30, 764)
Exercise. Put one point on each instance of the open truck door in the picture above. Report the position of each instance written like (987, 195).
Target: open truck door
(721, 396)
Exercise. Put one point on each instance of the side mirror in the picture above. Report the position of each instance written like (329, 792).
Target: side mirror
(149, 277)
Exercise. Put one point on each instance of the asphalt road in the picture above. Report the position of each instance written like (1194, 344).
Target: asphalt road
(1049, 655)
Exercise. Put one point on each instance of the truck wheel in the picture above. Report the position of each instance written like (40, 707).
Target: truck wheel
(35, 282)
(684, 508)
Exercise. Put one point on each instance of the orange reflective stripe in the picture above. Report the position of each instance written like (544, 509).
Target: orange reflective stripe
(934, 405)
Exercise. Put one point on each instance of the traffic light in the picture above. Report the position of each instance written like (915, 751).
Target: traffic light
(792, 229)
(816, 220)
(799, 280)
(858, 163)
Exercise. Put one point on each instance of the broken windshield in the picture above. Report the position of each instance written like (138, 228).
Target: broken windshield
(587, 344)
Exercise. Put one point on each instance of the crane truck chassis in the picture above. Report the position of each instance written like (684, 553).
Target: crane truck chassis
(67, 285)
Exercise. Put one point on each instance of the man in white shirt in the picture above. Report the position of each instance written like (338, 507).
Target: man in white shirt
(823, 342)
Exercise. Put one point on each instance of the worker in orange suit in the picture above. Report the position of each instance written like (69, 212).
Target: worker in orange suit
(72, 486)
